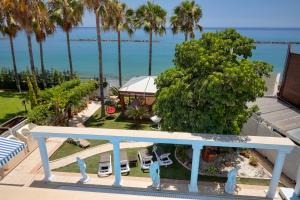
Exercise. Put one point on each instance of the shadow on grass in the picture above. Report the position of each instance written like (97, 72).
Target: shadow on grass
(13, 94)
(9, 116)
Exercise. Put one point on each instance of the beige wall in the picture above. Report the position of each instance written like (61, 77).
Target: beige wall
(292, 161)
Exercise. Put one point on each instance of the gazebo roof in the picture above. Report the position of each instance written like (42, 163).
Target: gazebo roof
(139, 85)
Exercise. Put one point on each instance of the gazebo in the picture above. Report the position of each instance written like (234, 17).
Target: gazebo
(141, 89)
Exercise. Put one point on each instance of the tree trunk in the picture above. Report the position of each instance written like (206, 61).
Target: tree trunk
(185, 36)
(70, 55)
(30, 54)
(14, 64)
(150, 52)
(119, 58)
(100, 63)
(42, 65)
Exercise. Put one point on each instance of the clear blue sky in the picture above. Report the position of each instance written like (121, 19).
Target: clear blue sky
(233, 13)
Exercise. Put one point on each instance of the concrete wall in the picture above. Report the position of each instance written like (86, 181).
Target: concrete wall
(292, 161)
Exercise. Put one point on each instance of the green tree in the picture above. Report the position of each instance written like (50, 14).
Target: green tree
(67, 14)
(42, 27)
(36, 88)
(32, 97)
(186, 19)
(9, 27)
(121, 19)
(101, 10)
(208, 89)
(25, 14)
(152, 18)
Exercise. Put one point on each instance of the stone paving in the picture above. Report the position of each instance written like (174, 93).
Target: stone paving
(93, 151)
(141, 186)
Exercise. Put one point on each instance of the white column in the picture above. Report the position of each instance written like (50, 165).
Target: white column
(44, 157)
(117, 164)
(297, 187)
(276, 174)
(193, 186)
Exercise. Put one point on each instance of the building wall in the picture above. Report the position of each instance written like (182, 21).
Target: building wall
(292, 161)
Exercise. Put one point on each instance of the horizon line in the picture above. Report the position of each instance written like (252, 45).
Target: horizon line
(222, 27)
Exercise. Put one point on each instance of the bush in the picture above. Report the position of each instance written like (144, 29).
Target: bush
(52, 77)
(253, 161)
(246, 153)
(41, 115)
(212, 170)
(136, 112)
(62, 100)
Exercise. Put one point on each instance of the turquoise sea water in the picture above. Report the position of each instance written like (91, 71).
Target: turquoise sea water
(134, 55)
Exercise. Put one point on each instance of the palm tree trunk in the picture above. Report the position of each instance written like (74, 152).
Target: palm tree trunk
(30, 54)
(185, 36)
(150, 52)
(42, 64)
(14, 64)
(100, 63)
(119, 57)
(69, 55)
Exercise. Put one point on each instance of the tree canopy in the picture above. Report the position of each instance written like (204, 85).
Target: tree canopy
(209, 87)
(186, 18)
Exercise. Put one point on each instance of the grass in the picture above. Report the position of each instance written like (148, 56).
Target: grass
(175, 171)
(67, 149)
(116, 121)
(11, 105)
(113, 122)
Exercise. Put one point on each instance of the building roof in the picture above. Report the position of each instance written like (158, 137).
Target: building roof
(139, 85)
(280, 115)
(8, 149)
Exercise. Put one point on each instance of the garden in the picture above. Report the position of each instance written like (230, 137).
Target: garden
(207, 91)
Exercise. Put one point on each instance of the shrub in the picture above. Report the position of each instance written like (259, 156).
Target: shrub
(212, 170)
(52, 77)
(41, 115)
(246, 153)
(32, 96)
(136, 112)
(62, 100)
(253, 161)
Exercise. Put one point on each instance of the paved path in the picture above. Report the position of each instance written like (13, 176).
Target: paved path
(84, 115)
(93, 151)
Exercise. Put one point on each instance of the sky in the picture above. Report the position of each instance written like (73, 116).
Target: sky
(232, 13)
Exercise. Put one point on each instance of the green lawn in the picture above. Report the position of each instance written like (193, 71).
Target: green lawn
(67, 149)
(175, 171)
(11, 105)
(113, 122)
(116, 121)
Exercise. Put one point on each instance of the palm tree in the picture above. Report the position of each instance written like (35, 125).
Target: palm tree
(186, 19)
(67, 14)
(25, 14)
(152, 18)
(42, 27)
(121, 19)
(101, 10)
(9, 27)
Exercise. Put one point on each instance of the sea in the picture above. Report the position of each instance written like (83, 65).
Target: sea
(134, 54)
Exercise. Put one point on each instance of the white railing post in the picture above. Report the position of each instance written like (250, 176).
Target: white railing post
(297, 187)
(193, 186)
(276, 173)
(117, 165)
(44, 158)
